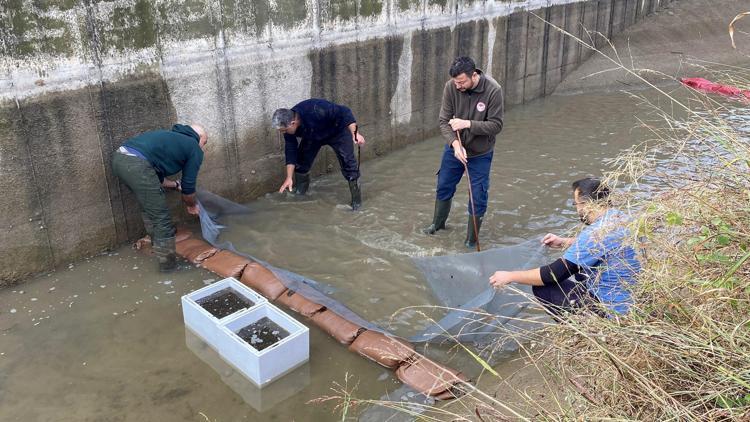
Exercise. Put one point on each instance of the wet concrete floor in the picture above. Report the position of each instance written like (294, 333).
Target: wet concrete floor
(103, 338)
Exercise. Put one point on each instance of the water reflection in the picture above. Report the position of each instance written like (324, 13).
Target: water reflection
(261, 399)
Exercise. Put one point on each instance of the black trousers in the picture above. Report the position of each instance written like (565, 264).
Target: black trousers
(342, 145)
(569, 295)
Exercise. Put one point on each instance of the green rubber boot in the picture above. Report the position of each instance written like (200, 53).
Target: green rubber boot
(471, 235)
(442, 209)
(164, 250)
(301, 183)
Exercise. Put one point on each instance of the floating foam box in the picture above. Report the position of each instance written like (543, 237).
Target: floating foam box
(264, 366)
(202, 322)
(261, 367)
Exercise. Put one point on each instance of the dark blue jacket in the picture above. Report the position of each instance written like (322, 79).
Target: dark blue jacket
(171, 152)
(321, 121)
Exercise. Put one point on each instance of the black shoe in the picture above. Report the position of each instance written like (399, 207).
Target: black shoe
(356, 194)
(442, 209)
(471, 234)
(164, 250)
(301, 183)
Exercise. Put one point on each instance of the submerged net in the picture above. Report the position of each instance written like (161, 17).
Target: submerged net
(213, 207)
(460, 282)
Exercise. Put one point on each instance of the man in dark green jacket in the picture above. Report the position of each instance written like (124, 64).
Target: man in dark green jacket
(472, 106)
(143, 163)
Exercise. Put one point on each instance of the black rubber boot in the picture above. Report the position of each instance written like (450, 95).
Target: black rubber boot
(164, 249)
(442, 209)
(356, 194)
(471, 235)
(301, 183)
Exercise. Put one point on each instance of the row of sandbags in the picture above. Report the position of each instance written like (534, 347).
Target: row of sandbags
(413, 369)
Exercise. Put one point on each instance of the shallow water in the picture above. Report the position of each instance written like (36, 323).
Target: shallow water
(103, 339)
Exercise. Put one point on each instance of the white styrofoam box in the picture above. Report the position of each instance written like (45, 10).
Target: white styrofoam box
(268, 364)
(203, 322)
(261, 399)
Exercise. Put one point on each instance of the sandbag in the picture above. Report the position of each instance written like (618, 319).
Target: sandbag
(299, 303)
(195, 250)
(260, 278)
(387, 351)
(336, 326)
(431, 378)
(226, 264)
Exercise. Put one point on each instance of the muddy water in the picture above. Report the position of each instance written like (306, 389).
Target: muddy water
(103, 339)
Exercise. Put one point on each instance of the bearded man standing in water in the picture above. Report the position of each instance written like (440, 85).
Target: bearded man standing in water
(471, 116)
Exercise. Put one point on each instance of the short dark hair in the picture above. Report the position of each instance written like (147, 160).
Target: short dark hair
(282, 118)
(591, 189)
(461, 65)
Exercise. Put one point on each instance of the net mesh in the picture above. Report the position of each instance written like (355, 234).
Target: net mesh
(459, 282)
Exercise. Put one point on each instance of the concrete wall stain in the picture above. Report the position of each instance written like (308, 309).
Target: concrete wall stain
(132, 28)
(404, 5)
(289, 13)
(343, 9)
(246, 17)
(442, 3)
(370, 7)
(29, 30)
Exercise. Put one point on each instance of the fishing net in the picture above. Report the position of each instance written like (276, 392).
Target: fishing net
(476, 312)
(460, 282)
(213, 207)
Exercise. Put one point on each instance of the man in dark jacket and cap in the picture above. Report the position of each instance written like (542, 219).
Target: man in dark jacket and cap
(318, 122)
(143, 162)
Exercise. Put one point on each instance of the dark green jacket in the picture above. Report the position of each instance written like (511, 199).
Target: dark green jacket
(171, 152)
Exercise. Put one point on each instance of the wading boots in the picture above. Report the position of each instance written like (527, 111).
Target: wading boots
(471, 235)
(442, 209)
(356, 194)
(164, 249)
(301, 183)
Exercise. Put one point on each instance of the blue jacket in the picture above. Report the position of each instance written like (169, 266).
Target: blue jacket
(171, 152)
(321, 121)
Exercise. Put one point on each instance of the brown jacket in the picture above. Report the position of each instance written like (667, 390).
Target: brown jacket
(483, 106)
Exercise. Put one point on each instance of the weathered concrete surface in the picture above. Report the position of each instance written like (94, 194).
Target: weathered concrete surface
(679, 40)
(77, 78)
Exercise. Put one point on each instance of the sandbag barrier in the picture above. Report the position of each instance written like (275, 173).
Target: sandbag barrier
(413, 369)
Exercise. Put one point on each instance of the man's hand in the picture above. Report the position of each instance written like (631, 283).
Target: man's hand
(358, 139)
(459, 151)
(459, 124)
(288, 184)
(554, 241)
(171, 184)
(193, 209)
(500, 279)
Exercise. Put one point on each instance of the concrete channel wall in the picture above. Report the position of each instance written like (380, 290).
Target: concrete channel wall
(77, 78)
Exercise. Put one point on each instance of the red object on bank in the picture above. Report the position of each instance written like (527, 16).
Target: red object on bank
(705, 85)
